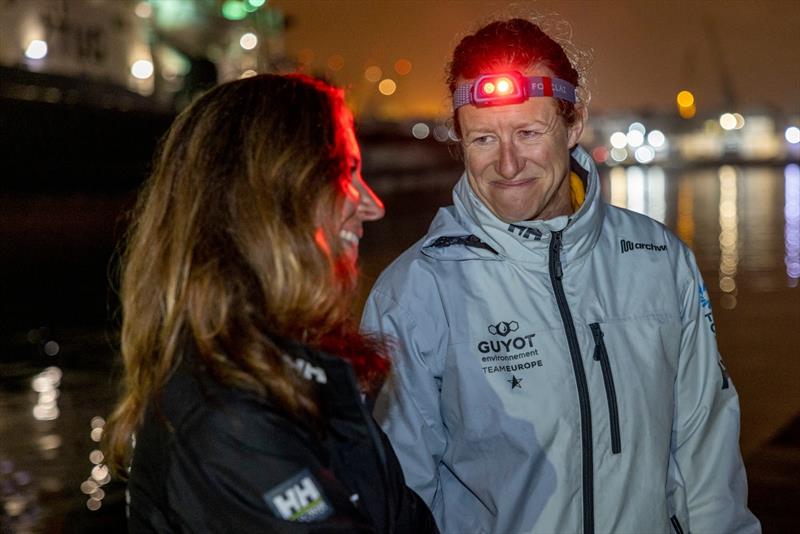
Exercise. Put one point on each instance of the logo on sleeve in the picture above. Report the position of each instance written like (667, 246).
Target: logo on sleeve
(299, 499)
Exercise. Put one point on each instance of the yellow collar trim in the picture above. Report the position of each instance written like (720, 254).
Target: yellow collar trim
(577, 191)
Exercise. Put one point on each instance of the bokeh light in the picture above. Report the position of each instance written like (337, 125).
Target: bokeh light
(373, 73)
(792, 135)
(336, 62)
(635, 138)
(248, 41)
(656, 139)
(727, 121)
(619, 140)
(37, 49)
(142, 69)
(685, 99)
(143, 10)
(387, 87)
(644, 154)
(402, 66)
(420, 130)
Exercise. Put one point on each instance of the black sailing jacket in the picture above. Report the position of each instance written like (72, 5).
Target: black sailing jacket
(214, 459)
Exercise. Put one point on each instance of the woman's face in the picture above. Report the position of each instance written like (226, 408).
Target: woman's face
(360, 203)
(517, 157)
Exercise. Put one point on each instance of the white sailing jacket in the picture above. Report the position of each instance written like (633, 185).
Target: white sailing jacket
(559, 376)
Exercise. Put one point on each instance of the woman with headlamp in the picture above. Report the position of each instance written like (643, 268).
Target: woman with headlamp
(556, 368)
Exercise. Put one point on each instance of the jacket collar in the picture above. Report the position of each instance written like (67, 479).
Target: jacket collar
(469, 230)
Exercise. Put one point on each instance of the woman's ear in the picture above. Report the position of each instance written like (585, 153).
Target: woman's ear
(576, 129)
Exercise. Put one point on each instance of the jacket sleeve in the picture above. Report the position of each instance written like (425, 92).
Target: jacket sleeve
(408, 406)
(245, 469)
(705, 432)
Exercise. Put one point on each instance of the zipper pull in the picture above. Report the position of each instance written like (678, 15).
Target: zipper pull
(597, 334)
(556, 246)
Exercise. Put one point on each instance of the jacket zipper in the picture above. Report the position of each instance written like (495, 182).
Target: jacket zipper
(556, 273)
(676, 524)
(601, 355)
(374, 435)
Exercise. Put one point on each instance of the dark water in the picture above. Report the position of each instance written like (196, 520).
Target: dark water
(58, 361)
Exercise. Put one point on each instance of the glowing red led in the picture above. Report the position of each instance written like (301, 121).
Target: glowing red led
(503, 86)
(488, 88)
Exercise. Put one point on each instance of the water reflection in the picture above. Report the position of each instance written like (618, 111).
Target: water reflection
(729, 224)
(640, 189)
(99, 475)
(728, 236)
(791, 213)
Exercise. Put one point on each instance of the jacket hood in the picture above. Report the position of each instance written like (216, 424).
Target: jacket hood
(469, 230)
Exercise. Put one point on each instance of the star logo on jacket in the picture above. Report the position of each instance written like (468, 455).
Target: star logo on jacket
(515, 382)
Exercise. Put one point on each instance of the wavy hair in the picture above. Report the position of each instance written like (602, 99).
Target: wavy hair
(224, 255)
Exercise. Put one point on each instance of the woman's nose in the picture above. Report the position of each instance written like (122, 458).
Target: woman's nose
(510, 163)
(370, 206)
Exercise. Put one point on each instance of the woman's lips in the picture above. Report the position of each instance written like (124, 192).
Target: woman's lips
(513, 184)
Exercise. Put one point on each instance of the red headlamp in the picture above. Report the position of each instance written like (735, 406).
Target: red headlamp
(503, 88)
(495, 89)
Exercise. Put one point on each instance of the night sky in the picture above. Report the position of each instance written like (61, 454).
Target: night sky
(643, 51)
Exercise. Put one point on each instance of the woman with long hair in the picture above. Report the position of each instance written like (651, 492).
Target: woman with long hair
(244, 373)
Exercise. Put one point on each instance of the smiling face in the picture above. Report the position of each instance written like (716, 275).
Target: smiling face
(360, 203)
(517, 157)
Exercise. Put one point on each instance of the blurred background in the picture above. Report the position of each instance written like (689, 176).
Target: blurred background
(694, 121)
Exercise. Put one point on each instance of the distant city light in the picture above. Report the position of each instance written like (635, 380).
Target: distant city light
(373, 73)
(600, 154)
(387, 87)
(142, 69)
(234, 10)
(420, 130)
(687, 112)
(143, 10)
(440, 133)
(727, 121)
(249, 73)
(336, 62)
(402, 67)
(51, 348)
(37, 49)
(619, 140)
(635, 138)
(685, 99)
(256, 3)
(248, 41)
(619, 154)
(739, 121)
(656, 139)
(637, 127)
(792, 134)
(644, 154)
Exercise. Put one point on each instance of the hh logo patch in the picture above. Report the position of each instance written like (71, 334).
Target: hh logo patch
(299, 499)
